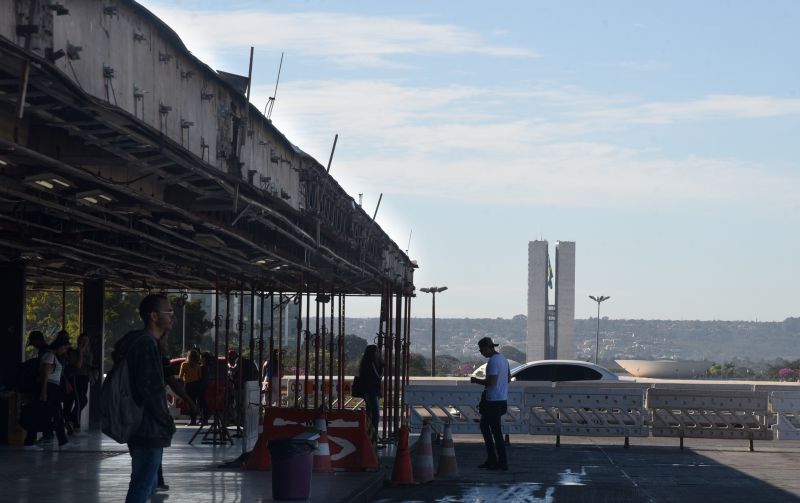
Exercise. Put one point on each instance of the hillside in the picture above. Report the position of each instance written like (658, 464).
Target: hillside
(648, 339)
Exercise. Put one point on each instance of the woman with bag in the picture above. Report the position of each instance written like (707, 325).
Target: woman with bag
(370, 373)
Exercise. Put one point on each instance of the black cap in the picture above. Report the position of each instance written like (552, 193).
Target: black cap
(35, 335)
(486, 342)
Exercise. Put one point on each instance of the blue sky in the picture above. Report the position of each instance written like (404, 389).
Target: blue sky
(661, 137)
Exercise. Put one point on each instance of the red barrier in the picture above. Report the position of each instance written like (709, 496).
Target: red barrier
(278, 423)
(351, 448)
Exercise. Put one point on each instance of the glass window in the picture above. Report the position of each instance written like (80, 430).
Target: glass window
(535, 373)
(576, 373)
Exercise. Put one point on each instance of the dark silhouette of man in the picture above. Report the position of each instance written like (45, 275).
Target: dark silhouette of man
(494, 403)
(141, 349)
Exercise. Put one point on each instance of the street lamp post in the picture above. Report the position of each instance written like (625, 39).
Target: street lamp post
(182, 303)
(433, 291)
(598, 299)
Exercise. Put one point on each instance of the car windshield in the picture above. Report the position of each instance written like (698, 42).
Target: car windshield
(556, 372)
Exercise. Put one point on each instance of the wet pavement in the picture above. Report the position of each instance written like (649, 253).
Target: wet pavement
(602, 470)
(98, 470)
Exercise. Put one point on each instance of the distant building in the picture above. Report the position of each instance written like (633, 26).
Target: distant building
(565, 300)
(551, 328)
(538, 347)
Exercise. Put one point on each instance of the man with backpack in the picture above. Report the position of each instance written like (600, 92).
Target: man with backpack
(140, 350)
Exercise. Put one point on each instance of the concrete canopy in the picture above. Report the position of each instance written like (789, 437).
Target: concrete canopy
(185, 185)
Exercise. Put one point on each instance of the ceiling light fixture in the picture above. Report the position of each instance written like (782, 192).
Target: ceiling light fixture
(94, 197)
(48, 181)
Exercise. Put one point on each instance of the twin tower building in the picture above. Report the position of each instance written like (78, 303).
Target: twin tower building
(551, 327)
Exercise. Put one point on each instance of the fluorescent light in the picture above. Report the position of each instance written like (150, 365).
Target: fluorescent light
(3, 163)
(94, 197)
(48, 181)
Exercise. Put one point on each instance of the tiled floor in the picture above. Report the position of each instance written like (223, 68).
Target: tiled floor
(98, 470)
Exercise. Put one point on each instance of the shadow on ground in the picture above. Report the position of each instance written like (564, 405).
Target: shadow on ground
(610, 473)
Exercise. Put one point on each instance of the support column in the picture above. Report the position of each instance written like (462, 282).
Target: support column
(93, 323)
(12, 321)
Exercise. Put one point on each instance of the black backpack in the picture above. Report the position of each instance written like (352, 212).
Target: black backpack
(120, 414)
(27, 378)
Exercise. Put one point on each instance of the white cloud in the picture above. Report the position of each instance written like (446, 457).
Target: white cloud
(575, 174)
(709, 107)
(344, 38)
(444, 142)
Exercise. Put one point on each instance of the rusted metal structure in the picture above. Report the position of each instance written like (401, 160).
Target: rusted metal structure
(125, 161)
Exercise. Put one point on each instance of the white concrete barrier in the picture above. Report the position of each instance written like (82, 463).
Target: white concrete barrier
(458, 405)
(786, 407)
(702, 409)
(586, 411)
(708, 413)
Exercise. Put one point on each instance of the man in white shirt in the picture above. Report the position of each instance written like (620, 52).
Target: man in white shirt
(493, 404)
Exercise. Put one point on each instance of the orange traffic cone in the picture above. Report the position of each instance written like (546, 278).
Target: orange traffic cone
(322, 456)
(422, 460)
(402, 472)
(448, 466)
(369, 458)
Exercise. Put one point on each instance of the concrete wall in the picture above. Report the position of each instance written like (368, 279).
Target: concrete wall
(156, 80)
(565, 300)
(537, 300)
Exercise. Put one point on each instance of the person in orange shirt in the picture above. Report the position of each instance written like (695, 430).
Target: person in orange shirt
(190, 373)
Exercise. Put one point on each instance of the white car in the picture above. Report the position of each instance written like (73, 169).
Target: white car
(561, 370)
(480, 372)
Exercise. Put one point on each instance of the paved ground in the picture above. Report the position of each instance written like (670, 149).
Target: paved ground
(601, 470)
(99, 470)
(582, 469)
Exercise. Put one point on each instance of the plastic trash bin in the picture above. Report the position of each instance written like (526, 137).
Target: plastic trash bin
(292, 464)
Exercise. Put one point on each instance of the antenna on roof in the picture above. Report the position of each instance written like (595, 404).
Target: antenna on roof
(376, 207)
(271, 100)
(335, 139)
(250, 75)
(408, 246)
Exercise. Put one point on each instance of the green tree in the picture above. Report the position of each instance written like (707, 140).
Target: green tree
(43, 311)
(513, 353)
(727, 369)
(447, 365)
(418, 365)
(353, 348)
(198, 327)
(121, 311)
